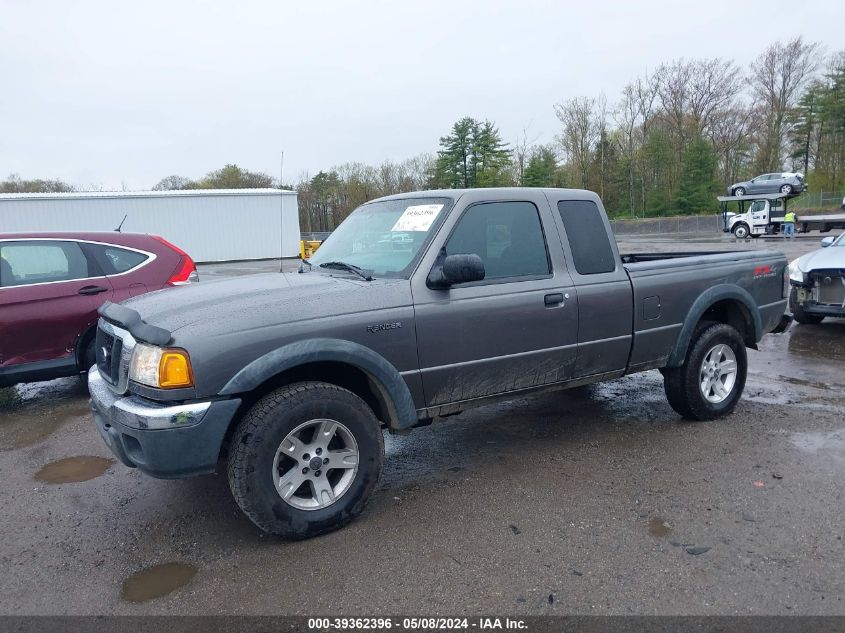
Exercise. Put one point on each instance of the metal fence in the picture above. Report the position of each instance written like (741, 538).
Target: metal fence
(692, 224)
(821, 200)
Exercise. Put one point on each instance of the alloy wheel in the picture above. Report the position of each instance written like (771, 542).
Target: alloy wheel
(315, 464)
(718, 372)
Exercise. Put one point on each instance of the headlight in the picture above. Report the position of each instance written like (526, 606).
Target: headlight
(161, 367)
(795, 273)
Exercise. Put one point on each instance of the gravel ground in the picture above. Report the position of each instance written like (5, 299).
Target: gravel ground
(599, 500)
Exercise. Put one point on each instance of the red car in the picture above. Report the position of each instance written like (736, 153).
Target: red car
(51, 285)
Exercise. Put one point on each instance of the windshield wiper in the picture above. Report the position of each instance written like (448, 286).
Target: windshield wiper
(349, 267)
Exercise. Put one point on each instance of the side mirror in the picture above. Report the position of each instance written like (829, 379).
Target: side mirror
(827, 241)
(456, 269)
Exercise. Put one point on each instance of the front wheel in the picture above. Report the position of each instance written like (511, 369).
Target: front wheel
(739, 192)
(305, 459)
(741, 231)
(711, 380)
(786, 189)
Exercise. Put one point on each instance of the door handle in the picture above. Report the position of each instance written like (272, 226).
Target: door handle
(92, 290)
(553, 299)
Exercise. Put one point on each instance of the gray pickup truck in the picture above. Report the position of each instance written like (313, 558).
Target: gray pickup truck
(419, 305)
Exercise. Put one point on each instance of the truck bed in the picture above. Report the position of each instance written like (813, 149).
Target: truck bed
(667, 287)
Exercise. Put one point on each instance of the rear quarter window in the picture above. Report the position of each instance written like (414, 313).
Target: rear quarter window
(116, 260)
(587, 237)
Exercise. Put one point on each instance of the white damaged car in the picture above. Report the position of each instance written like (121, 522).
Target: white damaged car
(817, 282)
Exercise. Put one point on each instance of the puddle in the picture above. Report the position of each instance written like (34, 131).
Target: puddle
(25, 427)
(156, 581)
(830, 445)
(9, 397)
(73, 469)
(804, 383)
(658, 527)
(825, 341)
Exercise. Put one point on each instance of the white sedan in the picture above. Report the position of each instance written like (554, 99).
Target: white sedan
(817, 282)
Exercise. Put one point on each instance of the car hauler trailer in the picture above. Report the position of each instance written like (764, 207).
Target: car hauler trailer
(762, 214)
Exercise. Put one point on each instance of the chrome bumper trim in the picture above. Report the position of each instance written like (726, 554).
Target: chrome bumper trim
(136, 413)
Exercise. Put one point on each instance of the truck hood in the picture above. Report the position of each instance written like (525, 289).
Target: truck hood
(830, 257)
(254, 301)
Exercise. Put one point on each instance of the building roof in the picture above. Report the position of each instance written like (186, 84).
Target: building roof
(145, 194)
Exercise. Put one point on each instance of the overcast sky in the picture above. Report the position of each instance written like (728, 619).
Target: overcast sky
(122, 94)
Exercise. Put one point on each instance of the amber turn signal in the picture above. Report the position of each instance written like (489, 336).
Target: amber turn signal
(174, 370)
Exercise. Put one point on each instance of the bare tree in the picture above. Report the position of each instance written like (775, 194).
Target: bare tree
(731, 132)
(174, 182)
(646, 92)
(692, 92)
(579, 134)
(779, 75)
(627, 116)
(601, 123)
(522, 150)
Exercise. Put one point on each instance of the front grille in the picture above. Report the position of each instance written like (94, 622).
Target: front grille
(114, 352)
(831, 290)
(109, 350)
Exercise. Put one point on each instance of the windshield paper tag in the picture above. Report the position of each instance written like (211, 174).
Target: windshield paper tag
(417, 218)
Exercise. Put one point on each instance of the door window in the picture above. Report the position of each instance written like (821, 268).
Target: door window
(507, 236)
(38, 262)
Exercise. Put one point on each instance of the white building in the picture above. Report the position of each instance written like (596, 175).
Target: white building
(211, 225)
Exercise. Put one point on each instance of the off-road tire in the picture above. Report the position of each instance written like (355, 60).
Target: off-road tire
(681, 384)
(261, 431)
(798, 313)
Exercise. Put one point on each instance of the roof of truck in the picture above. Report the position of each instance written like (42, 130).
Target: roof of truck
(492, 192)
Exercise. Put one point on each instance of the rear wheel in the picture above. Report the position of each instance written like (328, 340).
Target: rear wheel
(741, 231)
(739, 192)
(305, 459)
(711, 380)
(798, 311)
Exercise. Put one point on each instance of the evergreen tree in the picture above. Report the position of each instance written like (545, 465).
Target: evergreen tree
(473, 155)
(697, 185)
(542, 168)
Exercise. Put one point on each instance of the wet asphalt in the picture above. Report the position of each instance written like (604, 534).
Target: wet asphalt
(599, 500)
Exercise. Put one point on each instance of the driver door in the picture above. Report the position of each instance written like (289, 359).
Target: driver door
(759, 211)
(514, 330)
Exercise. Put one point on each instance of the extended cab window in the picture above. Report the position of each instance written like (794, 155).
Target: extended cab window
(38, 262)
(587, 237)
(115, 260)
(507, 236)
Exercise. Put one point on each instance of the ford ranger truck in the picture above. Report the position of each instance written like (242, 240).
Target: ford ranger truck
(418, 306)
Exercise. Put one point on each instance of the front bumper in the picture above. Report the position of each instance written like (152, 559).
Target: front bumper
(823, 309)
(160, 440)
(807, 296)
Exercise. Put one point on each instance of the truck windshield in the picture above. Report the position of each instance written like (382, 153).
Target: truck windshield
(383, 238)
